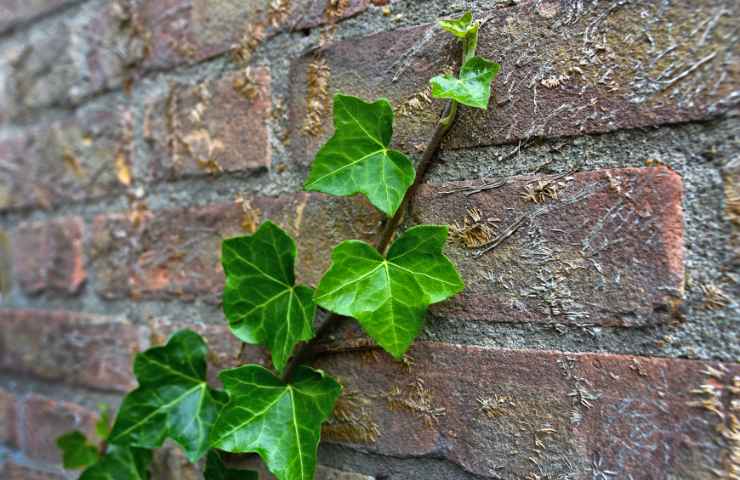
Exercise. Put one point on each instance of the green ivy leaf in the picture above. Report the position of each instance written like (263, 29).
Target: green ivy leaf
(460, 27)
(389, 296)
(357, 159)
(280, 422)
(473, 88)
(261, 301)
(216, 470)
(102, 426)
(77, 452)
(172, 400)
(120, 463)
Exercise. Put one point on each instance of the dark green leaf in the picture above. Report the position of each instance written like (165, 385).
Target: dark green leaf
(173, 399)
(76, 451)
(461, 26)
(261, 301)
(473, 88)
(102, 426)
(216, 470)
(120, 463)
(389, 296)
(281, 423)
(357, 159)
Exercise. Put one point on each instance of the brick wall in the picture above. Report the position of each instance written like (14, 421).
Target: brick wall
(599, 340)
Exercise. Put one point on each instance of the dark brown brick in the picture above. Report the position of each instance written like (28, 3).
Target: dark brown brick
(45, 419)
(176, 253)
(89, 350)
(210, 128)
(8, 419)
(48, 256)
(566, 70)
(607, 249)
(13, 12)
(78, 158)
(187, 31)
(15, 471)
(517, 413)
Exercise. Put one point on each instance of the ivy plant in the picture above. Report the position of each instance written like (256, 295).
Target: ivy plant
(386, 287)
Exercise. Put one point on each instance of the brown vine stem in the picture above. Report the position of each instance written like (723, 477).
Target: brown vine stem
(308, 351)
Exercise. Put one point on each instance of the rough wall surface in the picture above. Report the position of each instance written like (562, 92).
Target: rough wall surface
(598, 340)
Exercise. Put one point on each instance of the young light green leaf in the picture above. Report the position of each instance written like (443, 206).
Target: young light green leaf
(357, 159)
(472, 88)
(389, 296)
(120, 463)
(102, 426)
(172, 400)
(216, 470)
(261, 301)
(77, 452)
(461, 26)
(281, 423)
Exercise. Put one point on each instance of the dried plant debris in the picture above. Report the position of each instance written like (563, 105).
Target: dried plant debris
(318, 103)
(278, 12)
(250, 215)
(496, 406)
(540, 191)
(713, 394)
(246, 85)
(351, 422)
(714, 297)
(416, 399)
(416, 104)
(474, 231)
(253, 35)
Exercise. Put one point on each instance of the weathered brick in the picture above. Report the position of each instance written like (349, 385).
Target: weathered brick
(8, 419)
(83, 156)
(76, 348)
(217, 126)
(16, 471)
(566, 70)
(187, 31)
(45, 419)
(602, 247)
(48, 256)
(322, 473)
(176, 253)
(13, 12)
(70, 57)
(510, 414)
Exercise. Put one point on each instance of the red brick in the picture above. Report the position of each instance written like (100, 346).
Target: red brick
(48, 256)
(73, 56)
(66, 161)
(45, 419)
(82, 349)
(565, 71)
(188, 31)
(13, 12)
(608, 250)
(211, 127)
(8, 419)
(176, 253)
(505, 412)
(15, 471)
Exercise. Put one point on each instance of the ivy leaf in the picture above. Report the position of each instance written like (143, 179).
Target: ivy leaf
(389, 296)
(357, 158)
(280, 422)
(120, 463)
(102, 426)
(261, 301)
(472, 88)
(77, 452)
(172, 400)
(216, 470)
(460, 27)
